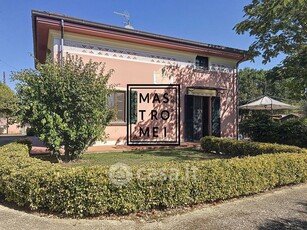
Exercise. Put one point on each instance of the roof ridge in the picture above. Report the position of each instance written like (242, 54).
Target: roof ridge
(135, 32)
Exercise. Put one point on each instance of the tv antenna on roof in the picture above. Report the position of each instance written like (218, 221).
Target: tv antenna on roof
(127, 23)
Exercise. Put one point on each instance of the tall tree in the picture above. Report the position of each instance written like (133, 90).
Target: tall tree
(280, 26)
(66, 105)
(8, 103)
(294, 71)
(304, 108)
(254, 83)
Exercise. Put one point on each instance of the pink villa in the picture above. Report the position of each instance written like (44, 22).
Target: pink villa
(191, 86)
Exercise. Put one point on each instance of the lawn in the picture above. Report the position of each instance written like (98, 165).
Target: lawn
(138, 157)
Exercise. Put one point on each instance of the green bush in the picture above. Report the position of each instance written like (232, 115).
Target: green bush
(260, 127)
(293, 132)
(25, 141)
(244, 148)
(30, 131)
(87, 191)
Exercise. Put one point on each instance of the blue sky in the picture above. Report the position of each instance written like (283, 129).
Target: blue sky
(199, 20)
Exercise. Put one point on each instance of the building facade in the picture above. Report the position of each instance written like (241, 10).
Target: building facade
(11, 129)
(206, 74)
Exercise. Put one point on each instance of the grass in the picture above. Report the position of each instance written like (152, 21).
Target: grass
(138, 157)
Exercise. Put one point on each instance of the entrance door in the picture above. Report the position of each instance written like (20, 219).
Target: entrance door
(202, 117)
(198, 118)
(188, 117)
(215, 117)
(206, 116)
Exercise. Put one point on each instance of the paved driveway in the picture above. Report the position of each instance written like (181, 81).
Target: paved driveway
(284, 208)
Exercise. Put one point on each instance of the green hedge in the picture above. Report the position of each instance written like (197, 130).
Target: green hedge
(244, 148)
(25, 141)
(87, 191)
(260, 127)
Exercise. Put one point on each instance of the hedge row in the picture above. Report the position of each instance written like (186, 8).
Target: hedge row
(244, 148)
(87, 191)
(25, 141)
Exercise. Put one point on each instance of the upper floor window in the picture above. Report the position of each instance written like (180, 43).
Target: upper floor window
(202, 63)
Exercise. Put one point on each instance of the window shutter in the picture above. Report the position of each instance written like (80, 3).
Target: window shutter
(188, 117)
(216, 120)
(132, 107)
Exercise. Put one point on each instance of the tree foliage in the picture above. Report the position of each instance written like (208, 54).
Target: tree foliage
(294, 71)
(304, 108)
(252, 84)
(260, 127)
(8, 101)
(280, 26)
(66, 105)
(255, 83)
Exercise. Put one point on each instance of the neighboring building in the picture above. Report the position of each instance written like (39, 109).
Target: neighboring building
(207, 74)
(283, 118)
(12, 128)
(3, 125)
(291, 116)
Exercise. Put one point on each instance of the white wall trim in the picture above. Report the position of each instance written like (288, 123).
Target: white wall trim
(119, 53)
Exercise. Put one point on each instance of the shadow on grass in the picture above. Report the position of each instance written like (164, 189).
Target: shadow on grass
(288, 223)
(51, 158)
(180, 153)
(137, 157)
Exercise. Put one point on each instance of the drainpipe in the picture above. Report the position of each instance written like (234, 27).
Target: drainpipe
(62, 42)
(237, 95)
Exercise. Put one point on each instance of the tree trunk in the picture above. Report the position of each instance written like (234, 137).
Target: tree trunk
(67, 153)
(7, 125)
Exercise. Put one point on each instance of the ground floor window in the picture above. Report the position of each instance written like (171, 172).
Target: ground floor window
(117, 101)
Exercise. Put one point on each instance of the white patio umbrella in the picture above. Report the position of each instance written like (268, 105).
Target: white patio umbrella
(267, 103)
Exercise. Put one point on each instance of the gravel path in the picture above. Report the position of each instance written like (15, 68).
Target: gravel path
(284, 208)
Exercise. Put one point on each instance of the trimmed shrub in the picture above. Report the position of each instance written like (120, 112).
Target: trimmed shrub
(293, 132)
(244, 148)
(260, 127)
(87, 191)
(25, 141)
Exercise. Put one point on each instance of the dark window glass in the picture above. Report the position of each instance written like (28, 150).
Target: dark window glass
(117, 101)
(202, 63)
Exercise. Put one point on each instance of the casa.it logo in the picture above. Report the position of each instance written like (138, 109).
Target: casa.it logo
(120, 174)
(153, 114)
